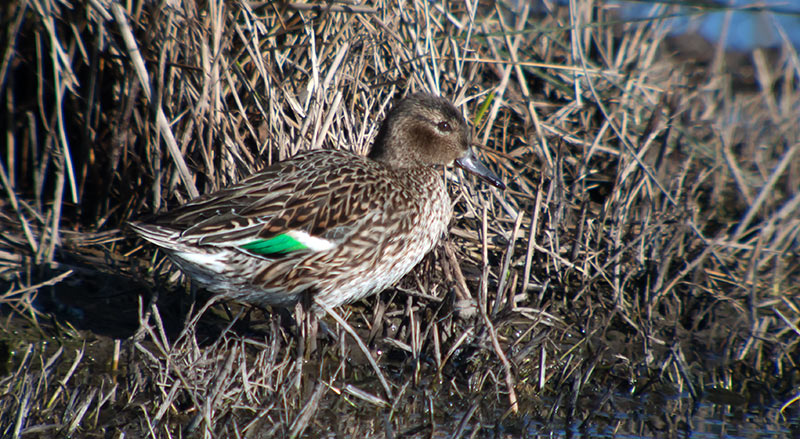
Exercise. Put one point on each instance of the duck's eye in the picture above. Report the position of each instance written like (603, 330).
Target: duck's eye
(444, 127)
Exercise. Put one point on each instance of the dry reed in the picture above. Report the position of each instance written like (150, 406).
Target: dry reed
(648, 239)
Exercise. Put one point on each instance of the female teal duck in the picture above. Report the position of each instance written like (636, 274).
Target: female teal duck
(332, 224)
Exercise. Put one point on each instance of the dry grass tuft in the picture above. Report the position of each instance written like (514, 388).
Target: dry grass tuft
(647, 244)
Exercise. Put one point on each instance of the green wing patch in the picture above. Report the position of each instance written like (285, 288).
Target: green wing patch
(278, 245)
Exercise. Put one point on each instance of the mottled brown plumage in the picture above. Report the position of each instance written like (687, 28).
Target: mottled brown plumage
(328, 223)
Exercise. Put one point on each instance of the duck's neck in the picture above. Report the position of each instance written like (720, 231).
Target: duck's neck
(424, 179)
(390, 153)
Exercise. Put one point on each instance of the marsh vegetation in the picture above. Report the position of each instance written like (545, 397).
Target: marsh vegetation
(644, 258)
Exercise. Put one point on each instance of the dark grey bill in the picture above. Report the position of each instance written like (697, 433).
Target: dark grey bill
(471, 164)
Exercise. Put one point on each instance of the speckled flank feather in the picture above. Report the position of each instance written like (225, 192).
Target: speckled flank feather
(329, 223)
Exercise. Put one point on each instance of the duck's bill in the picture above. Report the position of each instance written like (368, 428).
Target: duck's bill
(471, 164)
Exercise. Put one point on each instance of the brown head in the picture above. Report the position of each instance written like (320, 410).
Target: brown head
(424, 129)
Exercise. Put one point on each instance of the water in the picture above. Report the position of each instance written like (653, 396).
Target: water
(679, 419)
(753, 24)
(749, 27)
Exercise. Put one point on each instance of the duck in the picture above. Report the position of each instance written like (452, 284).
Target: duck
(331, 225)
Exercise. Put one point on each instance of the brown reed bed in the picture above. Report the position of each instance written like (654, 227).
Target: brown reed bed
(647, 242)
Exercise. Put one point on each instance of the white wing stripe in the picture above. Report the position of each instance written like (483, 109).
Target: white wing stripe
(312, 242)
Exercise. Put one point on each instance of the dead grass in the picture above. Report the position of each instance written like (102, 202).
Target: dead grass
(647, 243)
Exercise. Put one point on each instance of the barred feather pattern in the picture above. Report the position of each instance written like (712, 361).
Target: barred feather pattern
(382, 222)
(329, 223)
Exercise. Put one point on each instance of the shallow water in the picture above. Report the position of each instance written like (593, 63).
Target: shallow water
(701, 421)
(600, 413)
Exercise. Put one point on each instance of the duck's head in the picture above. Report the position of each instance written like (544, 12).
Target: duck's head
(424, 129)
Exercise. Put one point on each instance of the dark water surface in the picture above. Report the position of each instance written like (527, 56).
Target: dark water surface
(679, 419)
(101, 314)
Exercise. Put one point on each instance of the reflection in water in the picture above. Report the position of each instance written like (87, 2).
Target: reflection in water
(677, 419)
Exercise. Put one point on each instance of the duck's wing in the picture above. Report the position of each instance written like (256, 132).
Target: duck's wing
(311, 203)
